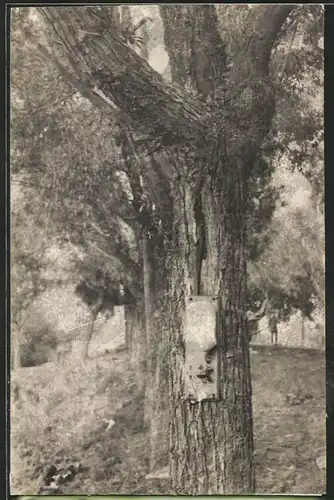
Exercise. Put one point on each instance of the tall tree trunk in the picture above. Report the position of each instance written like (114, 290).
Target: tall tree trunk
(134, 315)
(157, 375)
(212, 440)
(302, 329)
(128, 329)
(149, 292)
(156, 249)
(90, 330)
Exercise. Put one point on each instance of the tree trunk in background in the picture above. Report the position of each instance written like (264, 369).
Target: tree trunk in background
(302, 329)
(149, 292)
(128, 329)
(156, 251)
(90, 330)
(157, 394)
(135, 331)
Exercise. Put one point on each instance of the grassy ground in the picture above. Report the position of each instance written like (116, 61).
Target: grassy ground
(66, 410)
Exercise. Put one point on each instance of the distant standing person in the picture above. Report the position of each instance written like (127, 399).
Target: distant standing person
(272, 323)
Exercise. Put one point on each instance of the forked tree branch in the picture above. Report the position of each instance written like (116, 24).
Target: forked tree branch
(262, 27)
(159, 108)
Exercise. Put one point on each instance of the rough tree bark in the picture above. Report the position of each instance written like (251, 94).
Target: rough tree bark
(157, 381)
(148, 185)
(156, 404)
(216, 433)
(222, 129)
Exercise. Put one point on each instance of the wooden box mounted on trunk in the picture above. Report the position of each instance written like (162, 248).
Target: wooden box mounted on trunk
(211, 411)
(200, 338)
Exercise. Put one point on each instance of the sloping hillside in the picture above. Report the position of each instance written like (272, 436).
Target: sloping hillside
(86, 419)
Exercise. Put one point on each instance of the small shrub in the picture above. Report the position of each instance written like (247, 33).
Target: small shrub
(37, 345)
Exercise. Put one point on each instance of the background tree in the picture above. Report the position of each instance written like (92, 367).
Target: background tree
(295, 142)
(62, 119)
(113, 216)
(296, 244)
(101, 292)
(30, 269)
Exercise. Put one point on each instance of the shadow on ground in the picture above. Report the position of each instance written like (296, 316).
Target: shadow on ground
(79, 427)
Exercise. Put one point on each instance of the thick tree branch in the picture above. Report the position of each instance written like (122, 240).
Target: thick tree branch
(125, 78)
(167, 114)
(196, 52)
(261, 30)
